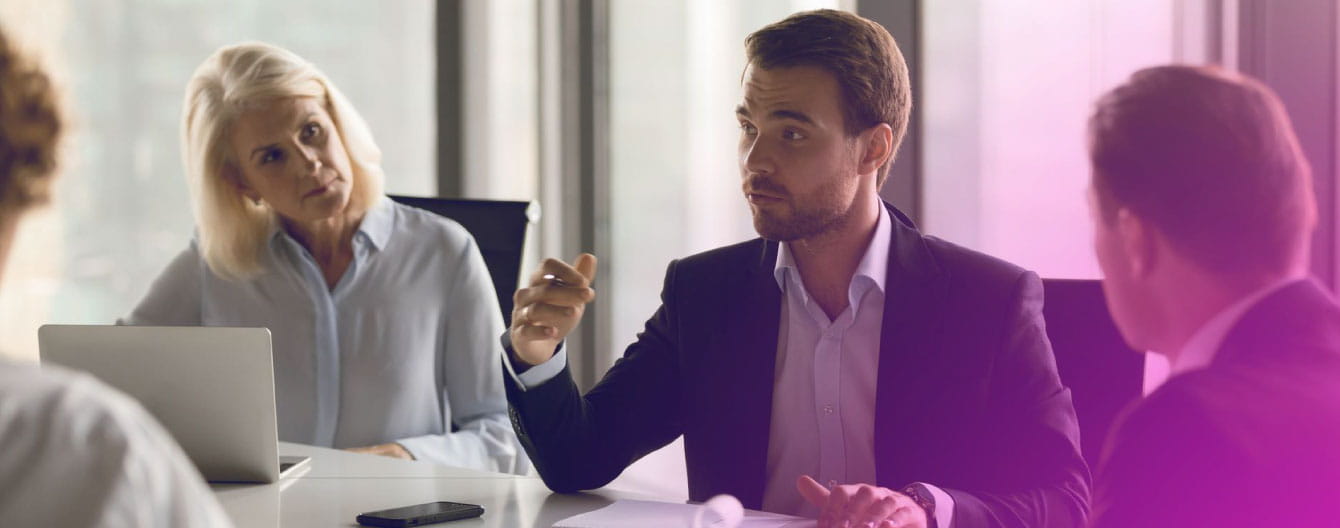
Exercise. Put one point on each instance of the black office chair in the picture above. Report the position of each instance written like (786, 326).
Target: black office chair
(501, 228)
(1104, 375)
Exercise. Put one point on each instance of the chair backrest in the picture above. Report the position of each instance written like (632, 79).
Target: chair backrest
(1104, 375)
(500, 228)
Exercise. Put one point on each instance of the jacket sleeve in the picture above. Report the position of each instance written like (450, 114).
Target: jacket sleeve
(581, 442)
(1035, 443)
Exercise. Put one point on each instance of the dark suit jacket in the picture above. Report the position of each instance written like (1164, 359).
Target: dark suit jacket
(968, 397)
(1251, 440)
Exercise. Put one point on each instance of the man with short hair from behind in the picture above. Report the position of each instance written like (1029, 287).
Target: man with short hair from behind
(1203, 210)
(842, 366)
(74, 452)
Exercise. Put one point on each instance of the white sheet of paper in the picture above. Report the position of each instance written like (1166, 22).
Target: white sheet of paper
(650, 514)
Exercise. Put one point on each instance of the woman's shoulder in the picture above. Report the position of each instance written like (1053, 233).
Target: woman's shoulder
(415, 226)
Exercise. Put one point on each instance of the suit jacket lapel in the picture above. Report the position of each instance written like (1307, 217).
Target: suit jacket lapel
(912, 297)
(748, 352)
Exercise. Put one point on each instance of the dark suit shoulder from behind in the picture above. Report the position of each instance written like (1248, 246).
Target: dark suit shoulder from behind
(1256, 428)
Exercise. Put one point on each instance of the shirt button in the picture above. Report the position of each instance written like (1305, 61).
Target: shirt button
(828, 409)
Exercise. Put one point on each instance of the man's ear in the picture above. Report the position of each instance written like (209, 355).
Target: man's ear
(876, 148)
(232, 175)
(1139, 243)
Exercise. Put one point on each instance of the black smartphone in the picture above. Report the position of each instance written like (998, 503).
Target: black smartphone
(420, 514)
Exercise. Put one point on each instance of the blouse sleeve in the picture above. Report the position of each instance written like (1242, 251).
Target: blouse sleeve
(174, 298)
(482, 436)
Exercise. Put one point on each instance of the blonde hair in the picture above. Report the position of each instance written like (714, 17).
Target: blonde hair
(232, 230)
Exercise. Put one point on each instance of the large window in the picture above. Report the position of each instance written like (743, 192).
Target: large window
(123, 206)
(1007, 89)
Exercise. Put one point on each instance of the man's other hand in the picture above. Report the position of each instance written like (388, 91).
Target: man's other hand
(861, 505)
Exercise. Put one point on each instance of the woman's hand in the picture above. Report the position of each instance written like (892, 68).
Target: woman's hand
(392, 450)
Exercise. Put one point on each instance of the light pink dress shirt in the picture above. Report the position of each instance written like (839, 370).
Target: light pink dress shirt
(823, 399)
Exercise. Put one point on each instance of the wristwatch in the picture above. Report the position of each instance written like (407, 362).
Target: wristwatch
(922, 496)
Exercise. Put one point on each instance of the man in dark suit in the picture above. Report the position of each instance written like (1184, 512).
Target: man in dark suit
(1204, 210)
(911, 376)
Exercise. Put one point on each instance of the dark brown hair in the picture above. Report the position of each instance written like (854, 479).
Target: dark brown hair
(30, 127)
(862, 56)
(1210, 159)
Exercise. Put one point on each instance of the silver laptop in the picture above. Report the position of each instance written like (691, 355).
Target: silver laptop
(212, 388)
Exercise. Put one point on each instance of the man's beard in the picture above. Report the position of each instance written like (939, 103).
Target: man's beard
(812, 215)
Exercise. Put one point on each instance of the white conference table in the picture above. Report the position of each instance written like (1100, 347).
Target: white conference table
(340, 485)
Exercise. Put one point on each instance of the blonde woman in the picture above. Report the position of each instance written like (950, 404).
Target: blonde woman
(382, 316)
(74, 452)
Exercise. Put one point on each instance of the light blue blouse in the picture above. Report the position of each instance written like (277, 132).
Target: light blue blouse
(404, 349)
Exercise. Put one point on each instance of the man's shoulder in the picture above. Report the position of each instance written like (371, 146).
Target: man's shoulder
(1268, 379)
(964, 264)
(1216, 435)
(1231, 412)
(1178, 409)
(968, 269)
(973, 287)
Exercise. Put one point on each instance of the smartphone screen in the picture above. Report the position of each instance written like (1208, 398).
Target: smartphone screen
(421, 514)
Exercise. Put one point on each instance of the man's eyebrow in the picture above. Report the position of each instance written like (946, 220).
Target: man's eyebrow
(792, 115)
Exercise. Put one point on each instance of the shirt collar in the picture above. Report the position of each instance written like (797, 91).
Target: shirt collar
(376, 225)
(1200, 350)
(873, 265)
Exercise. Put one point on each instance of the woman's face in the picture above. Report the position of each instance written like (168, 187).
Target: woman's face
(289, 155)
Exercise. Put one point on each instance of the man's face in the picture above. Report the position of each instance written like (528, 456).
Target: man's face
(798, 168)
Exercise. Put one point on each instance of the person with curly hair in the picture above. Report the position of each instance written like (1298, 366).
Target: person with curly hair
(73, 451)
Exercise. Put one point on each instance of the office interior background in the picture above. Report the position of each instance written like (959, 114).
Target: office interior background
(617, 117)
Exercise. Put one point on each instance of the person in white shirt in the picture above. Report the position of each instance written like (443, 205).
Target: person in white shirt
(74, 452)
